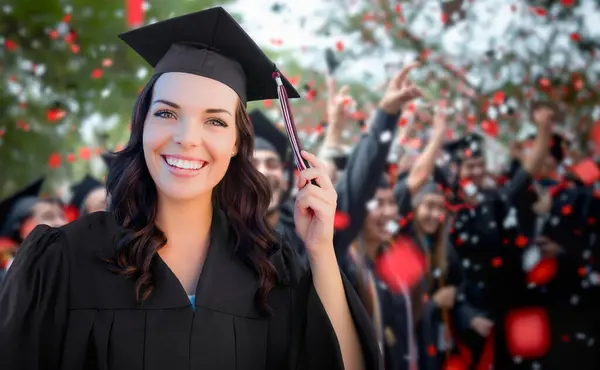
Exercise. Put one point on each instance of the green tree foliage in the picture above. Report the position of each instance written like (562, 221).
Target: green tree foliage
(68, 85)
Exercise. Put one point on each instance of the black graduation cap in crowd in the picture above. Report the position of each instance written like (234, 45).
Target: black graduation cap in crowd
(469, 146)
(108, 158)
(209, 43)
(82, 189)
(12, 207)
(268, 136)
(340, 161)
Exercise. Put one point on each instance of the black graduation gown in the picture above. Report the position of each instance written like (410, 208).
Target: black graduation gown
(61, 309)
(571, 299)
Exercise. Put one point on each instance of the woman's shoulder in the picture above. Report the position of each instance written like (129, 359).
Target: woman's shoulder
(91, 234)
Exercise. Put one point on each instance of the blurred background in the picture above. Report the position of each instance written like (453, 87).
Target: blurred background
(68, 84)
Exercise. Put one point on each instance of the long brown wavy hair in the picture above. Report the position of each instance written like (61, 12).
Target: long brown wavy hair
(243, 193)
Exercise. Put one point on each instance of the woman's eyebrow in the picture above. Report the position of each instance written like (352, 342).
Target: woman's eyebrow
(169, 103)
(216, 110)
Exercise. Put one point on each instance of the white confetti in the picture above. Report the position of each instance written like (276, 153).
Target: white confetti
(105, 93)
(587, 254)
(463, 236)
(511, 218)
(461, 297)
(492, 225)
(392, 227)
(594, 278)
(536, 365)
(437, 273)
(590, 342)
(141, 73)
(470, 189)
(574, 300)
(372, 205)
(580, 336)
(474, 239)
(518, 359)
(531, 285)
(146, 6)
(476, 267)
(62, 28)
(7, 9)
(385, 137)
(554, 221)
(480, 198)
(466, 263)
(480, 285)
(531, 258)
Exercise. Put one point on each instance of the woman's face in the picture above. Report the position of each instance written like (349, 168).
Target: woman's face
(269, 164)
(189, 135)
(430, 213)
(44, 213)
(376, 224)
(96, 200)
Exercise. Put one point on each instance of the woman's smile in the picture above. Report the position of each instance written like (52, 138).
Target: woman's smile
(183, 166)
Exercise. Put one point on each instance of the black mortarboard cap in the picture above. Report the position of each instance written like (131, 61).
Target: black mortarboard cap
(82, 189)
(209, 43)
(469, 146)
(266, 130)
(340, 161)
(9, 205)
(108, 158)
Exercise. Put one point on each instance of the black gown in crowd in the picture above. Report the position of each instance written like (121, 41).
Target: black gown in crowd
(60, 308)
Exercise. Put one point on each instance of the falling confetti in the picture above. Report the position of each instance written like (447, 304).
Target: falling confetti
(527, 332)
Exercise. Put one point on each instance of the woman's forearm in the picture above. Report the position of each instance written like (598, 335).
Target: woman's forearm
(328, 283)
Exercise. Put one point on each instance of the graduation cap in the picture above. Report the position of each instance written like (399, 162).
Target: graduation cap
(470, 146)
(340, 161)
(82, 189)
(108, 158)
(15, 207)
(268, 136)
(209, 43)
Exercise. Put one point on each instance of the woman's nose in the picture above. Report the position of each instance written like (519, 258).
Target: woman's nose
(188, 133)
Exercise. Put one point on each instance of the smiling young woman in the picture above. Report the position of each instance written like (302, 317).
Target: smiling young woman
(184, 272)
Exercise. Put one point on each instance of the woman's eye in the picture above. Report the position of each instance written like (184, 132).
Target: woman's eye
(217, 122)
(166, 114)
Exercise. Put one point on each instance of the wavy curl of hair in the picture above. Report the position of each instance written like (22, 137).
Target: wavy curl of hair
(243, 193)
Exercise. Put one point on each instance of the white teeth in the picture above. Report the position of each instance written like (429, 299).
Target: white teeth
(184, 164)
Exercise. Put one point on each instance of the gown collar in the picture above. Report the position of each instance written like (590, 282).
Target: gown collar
(226, 283)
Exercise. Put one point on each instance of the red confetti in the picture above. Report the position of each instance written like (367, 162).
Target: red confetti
(341, 221)
(55, 114)
(10, 45)
(499, 98)
(75, 49)
(582, 271)
(107, 63)
(544, 83)
(431, 351)
(543, 272)
(527, 333)
(565, 338)
(444, 18)
(575, 37)
(97, 73)
(134, 13)
(455, 362)
(71, 157)
(402, 265)
(54, 34)
(268, 103)
(71, 212)
(521, 241)
(23, 125)
(490, 127)
(67, 18)
(567, 2)
(513, 8)
(566, 210)
(85, 153)
(538, 10)
(54, 161)
(339, 46)
(590, 220)
(497, 262)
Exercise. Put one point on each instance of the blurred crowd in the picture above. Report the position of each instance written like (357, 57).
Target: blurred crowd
(458, 267)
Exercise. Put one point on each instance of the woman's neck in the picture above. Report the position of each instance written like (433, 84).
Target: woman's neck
(185, 223)
(371, 248)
